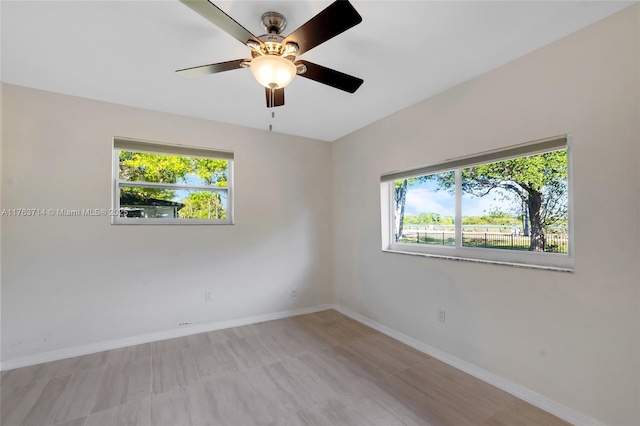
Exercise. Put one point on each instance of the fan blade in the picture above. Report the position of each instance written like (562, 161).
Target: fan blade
(334, 20)
(330, 77)
(212, 68)
(210, 11)
(275, 98)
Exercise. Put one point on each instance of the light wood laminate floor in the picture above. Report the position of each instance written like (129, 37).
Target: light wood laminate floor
(316, 369)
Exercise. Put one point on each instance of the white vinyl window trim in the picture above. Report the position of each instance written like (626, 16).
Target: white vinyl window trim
(537, 260)
(127, 144)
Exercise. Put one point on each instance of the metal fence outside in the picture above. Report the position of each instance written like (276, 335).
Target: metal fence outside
(554, 243)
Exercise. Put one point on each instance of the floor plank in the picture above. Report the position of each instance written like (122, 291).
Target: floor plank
(215, 360)
(130, 353)
(173, 370)
(250, 352)
(65, 398)
(124, 382)
(137, 413)
(283, 387)
(168, 345)
(184, 406)
(520, 413)
(17, 401)
(234, 401)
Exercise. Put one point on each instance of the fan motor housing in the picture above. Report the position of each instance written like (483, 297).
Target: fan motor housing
(273, 46)
(272, 43)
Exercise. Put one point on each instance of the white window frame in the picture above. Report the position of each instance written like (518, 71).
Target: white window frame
(541, 260)
(127, 144)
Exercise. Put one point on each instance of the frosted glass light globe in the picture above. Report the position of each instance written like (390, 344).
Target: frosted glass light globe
(273, 71)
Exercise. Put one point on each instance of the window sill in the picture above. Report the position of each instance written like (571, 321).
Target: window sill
(189, 222)
(492, 262)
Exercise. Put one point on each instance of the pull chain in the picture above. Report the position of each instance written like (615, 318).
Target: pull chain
(272, 102)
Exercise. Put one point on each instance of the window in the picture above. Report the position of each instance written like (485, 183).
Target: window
(507, 206)
(164, 184)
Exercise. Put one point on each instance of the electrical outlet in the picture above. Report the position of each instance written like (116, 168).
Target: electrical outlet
(441, 315)
(208, 295)
(294, 291)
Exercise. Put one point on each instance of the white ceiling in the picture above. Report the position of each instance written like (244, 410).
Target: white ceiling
(127, 51)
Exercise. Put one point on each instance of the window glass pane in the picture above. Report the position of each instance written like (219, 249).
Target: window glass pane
(203, 205)
(164, 168)
(157, 203)
(425, 209)
(518, 204)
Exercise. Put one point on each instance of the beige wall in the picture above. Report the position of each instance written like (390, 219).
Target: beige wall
(570, 337)
(69, 281)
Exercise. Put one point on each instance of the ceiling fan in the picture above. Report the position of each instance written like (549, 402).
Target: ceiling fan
(273, 57)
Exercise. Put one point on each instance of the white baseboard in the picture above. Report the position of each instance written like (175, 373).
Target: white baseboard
(56, 355)
(533, 398)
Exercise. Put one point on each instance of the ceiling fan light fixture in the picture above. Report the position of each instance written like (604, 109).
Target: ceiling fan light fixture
(274, 63)
(273, 71)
